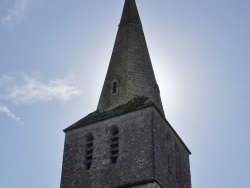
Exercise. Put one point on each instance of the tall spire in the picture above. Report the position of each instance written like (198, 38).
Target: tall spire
(108, 147)
(130, 73)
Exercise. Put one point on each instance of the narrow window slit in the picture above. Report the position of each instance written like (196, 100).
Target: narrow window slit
(114, 152)
(114, 149)
(114, 145)
(114, 87)
(114, 139)
(90, 145)
(89, 152)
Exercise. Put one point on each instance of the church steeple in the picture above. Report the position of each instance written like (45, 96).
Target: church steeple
(127, 141)
(130, 73)
(130, 13)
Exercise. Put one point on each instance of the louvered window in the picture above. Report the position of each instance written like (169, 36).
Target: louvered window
(114, 87)
(114, 145)
(89, 151)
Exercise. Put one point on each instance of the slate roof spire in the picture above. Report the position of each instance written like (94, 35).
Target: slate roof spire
(130, 73)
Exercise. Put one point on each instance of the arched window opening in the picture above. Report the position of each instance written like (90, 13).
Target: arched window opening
(89, 151)
(114, 145)
(114, 87)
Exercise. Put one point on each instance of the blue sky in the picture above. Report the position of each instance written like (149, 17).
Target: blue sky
(53, 59)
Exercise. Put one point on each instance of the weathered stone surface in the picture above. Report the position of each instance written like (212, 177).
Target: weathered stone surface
(142, 153)
(130, 65)
(135, 161)
(167, 145)
(135, 104)
(149, 152)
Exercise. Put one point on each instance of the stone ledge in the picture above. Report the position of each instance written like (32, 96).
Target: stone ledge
(133, 105)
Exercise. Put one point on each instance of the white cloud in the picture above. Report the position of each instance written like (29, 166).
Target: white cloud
(4, 109)
(32, 89)
(16, 13)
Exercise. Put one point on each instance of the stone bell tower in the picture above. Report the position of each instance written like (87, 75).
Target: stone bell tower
(127, 141)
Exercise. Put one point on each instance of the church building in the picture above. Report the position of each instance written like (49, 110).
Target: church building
(127, 142)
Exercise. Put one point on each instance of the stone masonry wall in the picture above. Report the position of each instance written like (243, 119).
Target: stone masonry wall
(171, 157)
(141, 79)
(149, 150)
(135, 161)
(116, 72)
